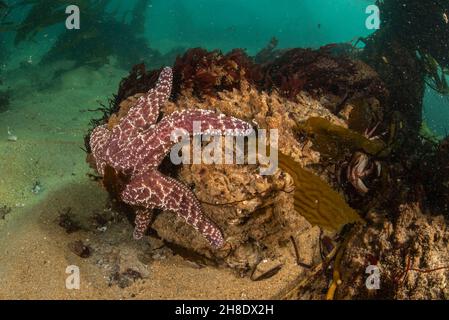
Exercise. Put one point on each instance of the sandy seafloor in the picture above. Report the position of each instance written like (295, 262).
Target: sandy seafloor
(48, 115)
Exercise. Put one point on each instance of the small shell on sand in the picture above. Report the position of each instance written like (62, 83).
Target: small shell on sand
(12, 138)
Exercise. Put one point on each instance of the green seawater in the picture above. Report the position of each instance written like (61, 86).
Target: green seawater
(228, 24)
(249, 24)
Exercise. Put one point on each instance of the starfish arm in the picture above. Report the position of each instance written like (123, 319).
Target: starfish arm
(152, 146)
(142, 222)
(146, 110)
(98, 141)
(152, 189)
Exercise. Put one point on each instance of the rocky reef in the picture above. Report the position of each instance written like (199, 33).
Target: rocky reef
(257, 213)
(337, 167)
(356, 183)
(410, 252)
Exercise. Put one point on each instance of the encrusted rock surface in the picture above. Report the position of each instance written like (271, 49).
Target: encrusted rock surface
(414, 242)
(255, 212)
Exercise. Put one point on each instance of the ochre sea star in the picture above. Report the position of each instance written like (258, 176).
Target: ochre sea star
(137, 145)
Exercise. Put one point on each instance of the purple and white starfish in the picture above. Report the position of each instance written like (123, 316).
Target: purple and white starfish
(137, 145)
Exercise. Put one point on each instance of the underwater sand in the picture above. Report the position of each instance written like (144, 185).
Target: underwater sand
(34, 249)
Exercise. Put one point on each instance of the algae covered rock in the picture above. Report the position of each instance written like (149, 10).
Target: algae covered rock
(410, 254)
(260, 215)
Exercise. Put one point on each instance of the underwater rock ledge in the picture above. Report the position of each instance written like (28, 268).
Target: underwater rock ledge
(256, 213)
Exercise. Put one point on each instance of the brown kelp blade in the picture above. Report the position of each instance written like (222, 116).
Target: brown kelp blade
(330, 139)
(315, 200)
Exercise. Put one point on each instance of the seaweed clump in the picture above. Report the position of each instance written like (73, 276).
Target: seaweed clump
(318, 72)
(408, 52)
(103, 34)
(205, 72)
(321, 72)
(424, 25)
(408, 57)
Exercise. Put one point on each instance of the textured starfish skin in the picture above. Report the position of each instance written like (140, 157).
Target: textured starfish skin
(137, 146)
